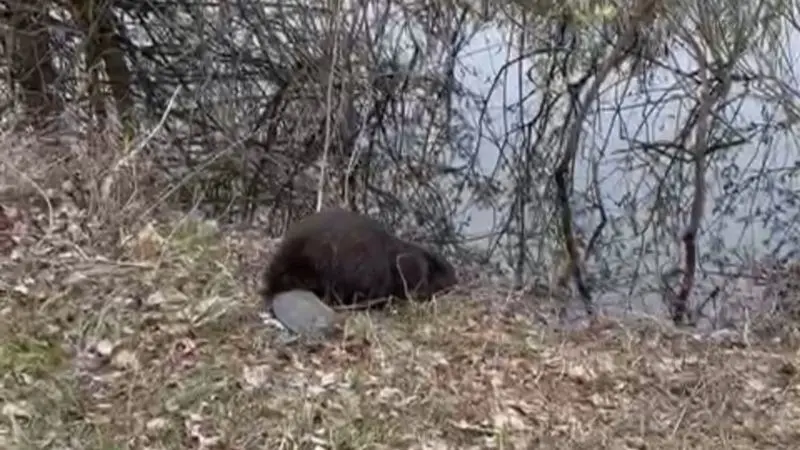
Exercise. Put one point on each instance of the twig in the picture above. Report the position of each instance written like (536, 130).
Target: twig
(125, 160)
(39, 190)
(711, 95)
(561, 174)
(328, 97)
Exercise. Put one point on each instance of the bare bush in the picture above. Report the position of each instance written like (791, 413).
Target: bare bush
(621, 139)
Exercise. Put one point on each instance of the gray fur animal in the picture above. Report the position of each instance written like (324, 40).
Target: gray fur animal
(350, 261)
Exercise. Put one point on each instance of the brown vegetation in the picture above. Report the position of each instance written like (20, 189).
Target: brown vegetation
(130, 319)
(163, 351)
(152, 340)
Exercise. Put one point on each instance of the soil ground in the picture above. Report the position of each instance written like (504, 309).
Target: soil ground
(157, 343)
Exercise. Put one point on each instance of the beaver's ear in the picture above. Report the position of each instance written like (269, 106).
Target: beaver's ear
(441, 274)
(413, 268)
(439, 263)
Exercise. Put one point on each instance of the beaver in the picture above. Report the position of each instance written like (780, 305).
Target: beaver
(351, 261)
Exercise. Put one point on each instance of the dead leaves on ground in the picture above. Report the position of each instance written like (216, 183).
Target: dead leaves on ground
(154, 349)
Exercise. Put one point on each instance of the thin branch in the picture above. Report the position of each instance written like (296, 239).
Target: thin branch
(712, 93)
(328, 104)
(611, 62)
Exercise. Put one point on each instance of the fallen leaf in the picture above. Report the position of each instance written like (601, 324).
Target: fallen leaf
(509, 419)
(125, 359)
(580, 373)
(21, 289)
(157, 424)
(147, 244)
(255, 376)
(155, 299)
(104, 348)
(16, 411)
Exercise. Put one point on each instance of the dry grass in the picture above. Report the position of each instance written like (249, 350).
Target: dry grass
(116, 333)
(161, 347)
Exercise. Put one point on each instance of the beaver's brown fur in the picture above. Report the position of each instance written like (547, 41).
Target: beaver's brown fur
(346, 258)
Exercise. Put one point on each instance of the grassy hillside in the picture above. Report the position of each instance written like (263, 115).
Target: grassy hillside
(157, 343)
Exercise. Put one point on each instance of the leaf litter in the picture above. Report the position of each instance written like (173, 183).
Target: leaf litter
(157, 343)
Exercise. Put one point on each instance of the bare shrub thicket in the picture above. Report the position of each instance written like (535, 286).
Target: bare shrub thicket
(644, 143)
